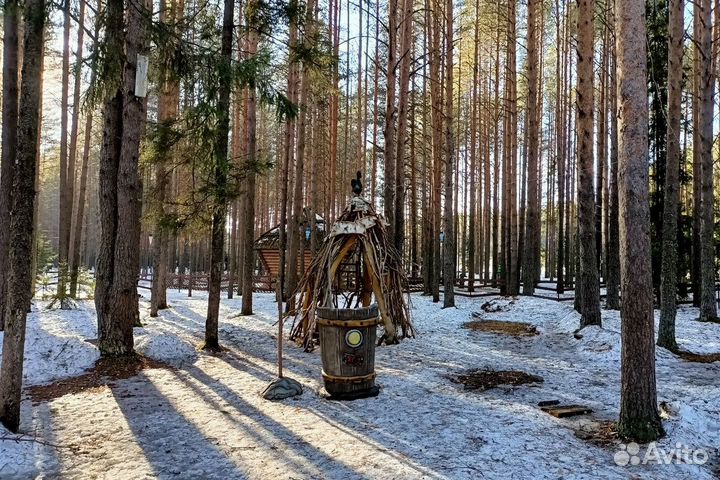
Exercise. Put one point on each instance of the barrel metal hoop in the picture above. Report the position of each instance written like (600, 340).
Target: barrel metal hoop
(360, 379)
(347, 323)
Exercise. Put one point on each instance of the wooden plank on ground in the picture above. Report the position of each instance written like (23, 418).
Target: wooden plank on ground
(562, 411)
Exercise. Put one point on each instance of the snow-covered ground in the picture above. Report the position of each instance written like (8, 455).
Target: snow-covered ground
(206, 418)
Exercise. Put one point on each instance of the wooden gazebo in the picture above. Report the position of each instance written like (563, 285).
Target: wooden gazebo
(267, 248)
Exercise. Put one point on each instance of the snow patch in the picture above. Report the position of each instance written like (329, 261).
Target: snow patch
(165, 347)
(17, 457)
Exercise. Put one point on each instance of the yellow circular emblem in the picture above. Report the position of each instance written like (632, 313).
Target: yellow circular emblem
(353, 338)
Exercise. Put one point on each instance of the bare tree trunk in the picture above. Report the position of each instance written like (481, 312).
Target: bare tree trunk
(612, 282)
(220, 151)
(588, 287)
(291, 235)
(296, 226)
(708, 307)
(19, 293)
(82, 191)
(11, 18)
(639, 417)
(389, 156)
(248, 267)
(376, 89)
(601, 148)
(65, 203)
(116, 296)
(668, 285)
(404, 98)
(167, 113)
(697, 158)
(473, 152)
(512, 269)
(437, 142)
(72, 151)
(449, 214)
(497, 257)
(560, 149)
(532, 249)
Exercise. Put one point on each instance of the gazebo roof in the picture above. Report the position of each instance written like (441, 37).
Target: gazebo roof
(271, 238)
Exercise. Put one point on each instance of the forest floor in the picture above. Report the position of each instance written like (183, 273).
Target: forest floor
(203, 416)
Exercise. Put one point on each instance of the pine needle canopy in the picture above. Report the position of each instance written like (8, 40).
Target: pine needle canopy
(356, 264)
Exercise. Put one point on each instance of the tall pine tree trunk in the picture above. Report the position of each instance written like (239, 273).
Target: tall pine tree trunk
(390, 153)
(403, 112)
(613, 270)
(170, 13)
(291, 234)
(588, 287)
(11, 18)
(639, 419)
(248, 263)
(72, 150)
(449, 268)
(19, 292)
(697, 157)
(560, 149)
(116, 296)
(65, 203)
(220, 153)
(668, 285)
(708, 307)
(532, 249)
(437, 143)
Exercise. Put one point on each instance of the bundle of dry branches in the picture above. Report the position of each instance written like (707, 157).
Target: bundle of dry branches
(359, 238)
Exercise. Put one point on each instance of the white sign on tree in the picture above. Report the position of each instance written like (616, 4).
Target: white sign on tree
(141, 76)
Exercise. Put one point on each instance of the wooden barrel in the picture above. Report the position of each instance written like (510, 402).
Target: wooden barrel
(347, 347)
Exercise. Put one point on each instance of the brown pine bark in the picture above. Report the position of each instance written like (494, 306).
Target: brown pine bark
(289, 157)
(11, 18)
(639, 418)
(697, 158)
(487, 209)
(668, 278)
(389, 149)
(248, 263)
(449, 267)
(560, 148)
(72, 151)
(116, 298)
(297, 226)
(19, 292)
(405, 61)
(376, 89)
(708, 307)
(588, 287)
(473, 152)
(170, 13)
(612, 300)
(532, 248)
(220, 181)
(80, 210)
(510, 244)
(427, 190)
(65, 204)
(601, 147)
(437, 142)
(498, 257)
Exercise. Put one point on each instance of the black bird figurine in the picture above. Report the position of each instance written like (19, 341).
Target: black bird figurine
(356, 184)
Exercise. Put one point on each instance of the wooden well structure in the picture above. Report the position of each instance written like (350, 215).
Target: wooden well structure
(356, 266)
(355, 282)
